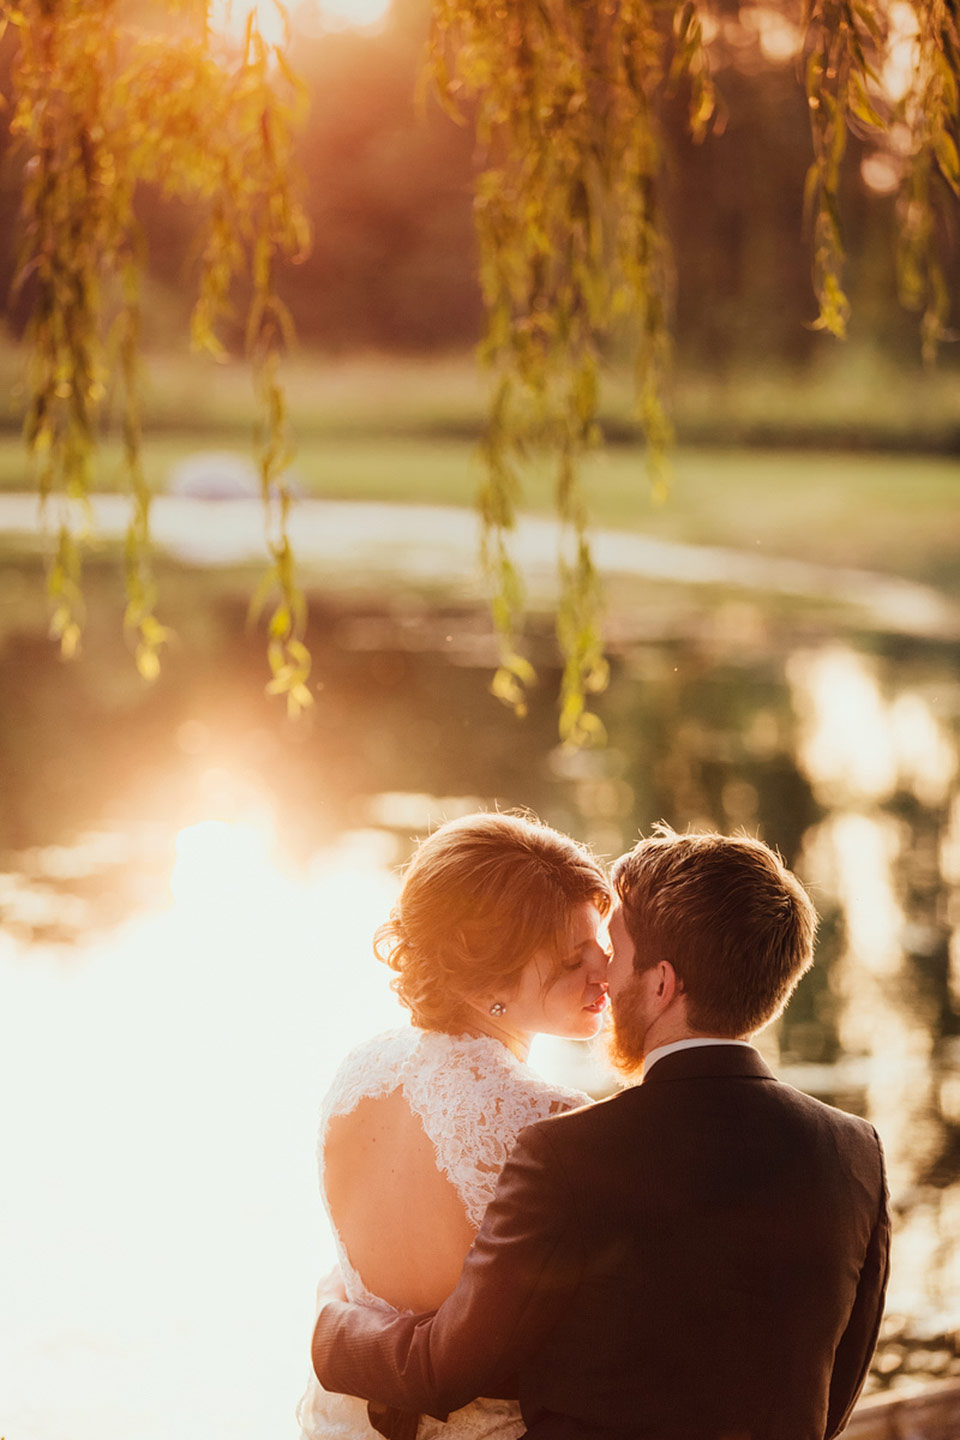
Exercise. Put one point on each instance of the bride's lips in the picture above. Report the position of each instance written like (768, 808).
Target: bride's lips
(598, 1006)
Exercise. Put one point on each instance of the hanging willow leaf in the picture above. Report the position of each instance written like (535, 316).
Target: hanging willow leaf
(931, 111)
(843, 50)
(572, 248)
(102, 106)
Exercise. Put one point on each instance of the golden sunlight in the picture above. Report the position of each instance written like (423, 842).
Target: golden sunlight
(184, 1056)
(900, 66)
(353, 12)
(217, 858)
(230, 18)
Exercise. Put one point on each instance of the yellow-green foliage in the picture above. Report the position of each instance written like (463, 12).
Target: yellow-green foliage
(566, 96)
(108, 97)
(848, 43)
(571, 242)
(931, 113)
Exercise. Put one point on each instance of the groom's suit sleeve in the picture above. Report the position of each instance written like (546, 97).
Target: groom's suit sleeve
(857, 1344)
(524, 1264)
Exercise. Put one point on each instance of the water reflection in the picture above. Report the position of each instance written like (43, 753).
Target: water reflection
(160, 1182)
(855, 743)
(884, 764)
(189, 888)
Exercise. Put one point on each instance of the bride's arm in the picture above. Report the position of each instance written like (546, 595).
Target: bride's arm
(514, 1287)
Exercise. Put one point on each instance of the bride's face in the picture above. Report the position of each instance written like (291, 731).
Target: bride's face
(571, 1003)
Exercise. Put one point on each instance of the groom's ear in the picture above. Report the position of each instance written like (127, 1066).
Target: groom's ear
(668, 983)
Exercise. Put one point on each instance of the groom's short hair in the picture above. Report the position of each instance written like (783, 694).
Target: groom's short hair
(736, 925)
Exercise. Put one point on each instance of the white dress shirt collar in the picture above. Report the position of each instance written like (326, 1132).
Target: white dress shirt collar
(661, 1050)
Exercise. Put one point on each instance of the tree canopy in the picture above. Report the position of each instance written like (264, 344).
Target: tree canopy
(566, 100)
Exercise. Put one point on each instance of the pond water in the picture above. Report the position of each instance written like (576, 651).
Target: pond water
(189, 886)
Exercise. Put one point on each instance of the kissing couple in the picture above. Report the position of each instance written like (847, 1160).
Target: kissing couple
(702, 1256)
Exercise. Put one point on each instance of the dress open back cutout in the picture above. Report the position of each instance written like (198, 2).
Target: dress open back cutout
(472, 1098)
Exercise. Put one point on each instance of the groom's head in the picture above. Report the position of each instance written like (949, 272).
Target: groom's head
(710, 936)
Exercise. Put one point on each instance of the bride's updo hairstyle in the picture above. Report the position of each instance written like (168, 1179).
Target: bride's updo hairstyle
(480, 897)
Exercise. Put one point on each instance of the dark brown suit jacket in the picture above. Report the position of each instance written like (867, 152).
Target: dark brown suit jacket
(702, 1257)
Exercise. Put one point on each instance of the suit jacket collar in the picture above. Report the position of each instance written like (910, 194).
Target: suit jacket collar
(704, 1062)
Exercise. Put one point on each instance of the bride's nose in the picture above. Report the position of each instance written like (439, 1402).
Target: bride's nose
(600, 966)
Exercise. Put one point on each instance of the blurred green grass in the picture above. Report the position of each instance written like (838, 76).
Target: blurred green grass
(377, 429)
(853, 399)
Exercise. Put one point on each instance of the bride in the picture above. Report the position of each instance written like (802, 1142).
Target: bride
(494, 939)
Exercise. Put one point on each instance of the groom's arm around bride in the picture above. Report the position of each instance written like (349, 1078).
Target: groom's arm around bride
(701, 1257)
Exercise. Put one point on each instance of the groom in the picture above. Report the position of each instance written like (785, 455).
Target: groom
(701, 1257)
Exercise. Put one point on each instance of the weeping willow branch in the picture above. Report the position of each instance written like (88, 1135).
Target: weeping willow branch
(70, 228)
(140, 618)
(278, 228)
(931, 113)
(850, 47)
(101, 107)
(572, 247)
(843, 40)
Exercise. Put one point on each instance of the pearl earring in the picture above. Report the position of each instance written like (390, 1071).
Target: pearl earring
(498, 1008)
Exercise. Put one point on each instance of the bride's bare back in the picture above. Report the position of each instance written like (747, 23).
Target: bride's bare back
(401, 1221)
(414, 1132)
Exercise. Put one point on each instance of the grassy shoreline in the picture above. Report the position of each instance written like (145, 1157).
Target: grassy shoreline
(853, 400)
(895, 514)
(405, 431)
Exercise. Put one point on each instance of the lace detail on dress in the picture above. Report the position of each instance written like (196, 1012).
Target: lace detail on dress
(325, 1416)
(473, 1097)
(371, 1068)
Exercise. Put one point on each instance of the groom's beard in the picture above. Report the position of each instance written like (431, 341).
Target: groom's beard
(628, 1032)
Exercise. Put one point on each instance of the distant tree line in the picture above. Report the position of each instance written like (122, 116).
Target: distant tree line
(389, 195)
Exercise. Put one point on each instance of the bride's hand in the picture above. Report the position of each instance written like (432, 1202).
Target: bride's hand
(330, 1288)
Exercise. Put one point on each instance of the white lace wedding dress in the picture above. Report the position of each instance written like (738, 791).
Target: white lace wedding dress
(473, 1097)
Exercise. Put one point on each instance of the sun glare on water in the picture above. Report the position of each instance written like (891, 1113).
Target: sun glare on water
(169, 1077)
